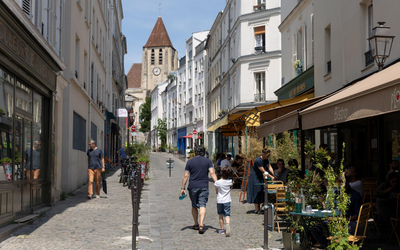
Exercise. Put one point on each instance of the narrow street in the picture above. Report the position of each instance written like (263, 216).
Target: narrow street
(79, 223)
(168, 222)
(165, 221)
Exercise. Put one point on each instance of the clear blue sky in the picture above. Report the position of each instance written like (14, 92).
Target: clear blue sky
(181, 19)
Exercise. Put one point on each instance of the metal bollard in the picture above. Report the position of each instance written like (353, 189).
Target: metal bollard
(134, 219)
(266, 206)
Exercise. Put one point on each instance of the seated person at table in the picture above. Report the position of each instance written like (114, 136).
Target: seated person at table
(281, 172)
(226, 161)
(238, 164)
(386, 199)
(221, 157)
(353, 179)
(393, 168)
(320, 231)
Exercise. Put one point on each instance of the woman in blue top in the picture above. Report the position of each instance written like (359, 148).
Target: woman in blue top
(255, 193)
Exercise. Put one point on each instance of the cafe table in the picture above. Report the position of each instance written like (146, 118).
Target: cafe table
(315, 213)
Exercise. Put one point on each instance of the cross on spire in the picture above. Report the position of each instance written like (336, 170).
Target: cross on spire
(159, 9)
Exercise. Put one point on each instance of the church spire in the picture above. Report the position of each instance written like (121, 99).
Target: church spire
(159, 36)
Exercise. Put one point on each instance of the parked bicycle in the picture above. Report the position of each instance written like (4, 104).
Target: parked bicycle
(128, 171)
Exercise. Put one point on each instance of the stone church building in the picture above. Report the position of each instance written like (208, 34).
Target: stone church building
(158, 60)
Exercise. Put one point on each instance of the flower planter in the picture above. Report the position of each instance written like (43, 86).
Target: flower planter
(288, 241)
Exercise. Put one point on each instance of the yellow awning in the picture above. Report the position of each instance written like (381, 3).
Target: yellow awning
(219, 123)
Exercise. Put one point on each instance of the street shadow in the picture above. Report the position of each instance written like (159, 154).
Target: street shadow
(205, 228)
(75, 198)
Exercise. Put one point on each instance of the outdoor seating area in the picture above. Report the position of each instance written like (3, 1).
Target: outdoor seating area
(304, 204)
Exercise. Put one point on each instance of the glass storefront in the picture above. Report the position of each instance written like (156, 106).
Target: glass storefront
(20, 153)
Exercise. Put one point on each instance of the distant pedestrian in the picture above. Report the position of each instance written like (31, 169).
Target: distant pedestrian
(95, 167)
(198, 168)
(223, 188)
(122, 154)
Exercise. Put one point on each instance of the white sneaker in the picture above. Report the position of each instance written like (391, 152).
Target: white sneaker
(97, 196)
(228, 230)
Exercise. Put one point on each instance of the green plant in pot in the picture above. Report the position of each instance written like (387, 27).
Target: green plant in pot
(5, 160)
(2, 112)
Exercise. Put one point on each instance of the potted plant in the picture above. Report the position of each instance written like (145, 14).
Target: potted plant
(298, 67)
(2, 112)
(6, 162)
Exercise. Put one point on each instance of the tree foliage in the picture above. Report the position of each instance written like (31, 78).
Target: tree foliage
(145, 116)
(162, 131)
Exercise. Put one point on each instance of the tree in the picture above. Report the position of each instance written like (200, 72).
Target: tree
(162, 131)
(145, 116)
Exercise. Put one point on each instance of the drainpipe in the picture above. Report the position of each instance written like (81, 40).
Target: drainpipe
(90, 70)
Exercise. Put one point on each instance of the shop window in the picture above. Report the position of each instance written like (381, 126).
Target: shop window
(79, 133)
(38, 155)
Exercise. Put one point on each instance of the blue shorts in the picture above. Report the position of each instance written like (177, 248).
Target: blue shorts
(224, 209)
(198, 196)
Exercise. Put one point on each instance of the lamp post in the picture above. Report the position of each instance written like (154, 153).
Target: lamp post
(194, 137)
(128, 106)
(380, 43)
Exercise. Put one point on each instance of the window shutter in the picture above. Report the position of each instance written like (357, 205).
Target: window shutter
(27, 7)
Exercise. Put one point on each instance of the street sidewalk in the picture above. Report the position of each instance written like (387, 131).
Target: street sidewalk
(166, 222)
(79, 223)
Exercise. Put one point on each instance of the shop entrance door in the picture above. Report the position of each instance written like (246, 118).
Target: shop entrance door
(24, 157)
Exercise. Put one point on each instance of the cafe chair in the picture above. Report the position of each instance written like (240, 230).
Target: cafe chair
(363, 217)
(280, 206)
(396, 220)
(274, 184)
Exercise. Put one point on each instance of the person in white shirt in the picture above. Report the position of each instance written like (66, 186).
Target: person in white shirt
(227, 161)
(223, 189)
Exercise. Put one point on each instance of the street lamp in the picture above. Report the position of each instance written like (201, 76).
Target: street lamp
(380, 43)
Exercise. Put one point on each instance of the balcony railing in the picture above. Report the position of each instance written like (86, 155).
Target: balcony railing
(368, 58)
(328, 67)
(260, 97)
(259, 7)
(259, 49)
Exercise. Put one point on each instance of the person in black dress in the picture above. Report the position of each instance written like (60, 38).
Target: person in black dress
(255, 193)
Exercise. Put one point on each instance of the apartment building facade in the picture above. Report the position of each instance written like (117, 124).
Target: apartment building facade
(244, 65)
(96, 84)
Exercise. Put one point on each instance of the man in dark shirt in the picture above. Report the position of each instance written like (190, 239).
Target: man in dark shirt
(95, 167)
(198, 168)
(33, 159)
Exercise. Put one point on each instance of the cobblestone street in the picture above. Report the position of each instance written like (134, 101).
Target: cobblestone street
(167, 221)
(79, 223)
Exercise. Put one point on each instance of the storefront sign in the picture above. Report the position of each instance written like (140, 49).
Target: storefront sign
(11, 40)
(395, 98)
(340, 113)
(296, 90)
(297, 86)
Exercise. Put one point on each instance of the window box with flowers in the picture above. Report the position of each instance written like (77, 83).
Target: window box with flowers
(298, 67)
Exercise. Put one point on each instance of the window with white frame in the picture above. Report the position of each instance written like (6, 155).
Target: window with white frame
(259, 33)
(259, 79)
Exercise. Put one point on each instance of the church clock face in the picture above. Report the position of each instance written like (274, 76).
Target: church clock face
(156, 71)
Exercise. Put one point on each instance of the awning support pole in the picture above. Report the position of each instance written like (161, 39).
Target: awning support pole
(245, 136)
(302, 143)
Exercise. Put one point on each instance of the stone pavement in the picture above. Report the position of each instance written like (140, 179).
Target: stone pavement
(166, 222)
(79, 223)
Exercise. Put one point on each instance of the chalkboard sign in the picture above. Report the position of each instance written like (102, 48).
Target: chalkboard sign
(247, 169)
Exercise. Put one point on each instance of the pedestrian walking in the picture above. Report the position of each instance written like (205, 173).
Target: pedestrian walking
(122, 154)
(95, 167)
(197, 169)
(223, 188)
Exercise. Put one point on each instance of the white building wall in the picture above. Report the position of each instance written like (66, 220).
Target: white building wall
(348, 25)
